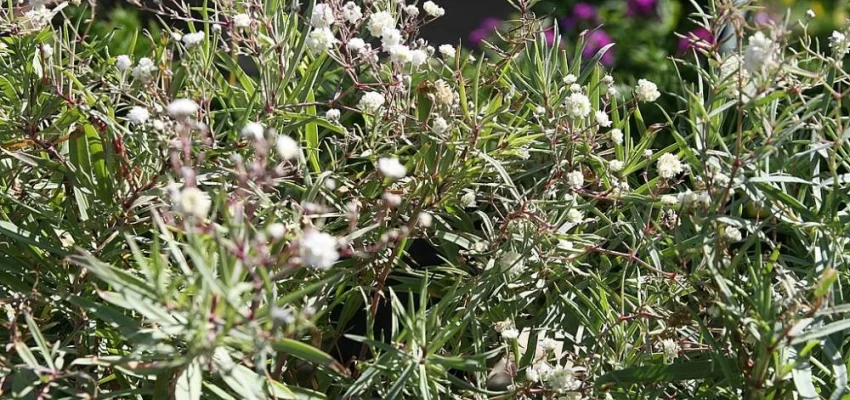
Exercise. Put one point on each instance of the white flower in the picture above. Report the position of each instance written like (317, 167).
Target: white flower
(531, 374)
(351, 12)
(694, 198)
(330, 184)
(839, 44)
(615, 165)
(320, 40)
(356, 44)
(182, 108)
(616, 136)
(138, 115)
(412, 10)
(276, 230)
(425, 219)
(732, 234)
(671, 349)
(391, 199)
(648, 153)
(418, 57)
(575, 179)
(193, 202)
(322, 16)
(241, 21)
(602, 119)
(562, 379)
(608, 80)
(575, 216)
(646, 91)
(193, 39)
(510, 334)
(391, 168)
(371, 102)
(443, 93)
(319, 249)
(332, 115)
(144, 69)
(548, 344)
(539, 110)
(176, 36)
(669, 166)
(810, 14)
(123, 62)
(287, 147)
(432, 9)
(253, 130)
(578, 105)
(760, 53)
(669, 199)
(400, 53)
(448, 51)
(379, 21)
(390, 37)
(468, 199)
(158, 124)
(439, 126)
(570, 79)
(39, 17)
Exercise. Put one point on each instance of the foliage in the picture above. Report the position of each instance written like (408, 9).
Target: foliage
(217, 216)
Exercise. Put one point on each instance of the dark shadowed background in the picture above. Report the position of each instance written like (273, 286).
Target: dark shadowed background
(462, 17)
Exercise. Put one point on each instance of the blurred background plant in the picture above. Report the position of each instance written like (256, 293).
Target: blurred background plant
(646, 33)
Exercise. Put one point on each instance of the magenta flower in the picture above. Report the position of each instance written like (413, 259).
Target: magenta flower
(484, 30)
(550, 36)
(582, 12)
(641, 7)
(595, 41)
(699, 38)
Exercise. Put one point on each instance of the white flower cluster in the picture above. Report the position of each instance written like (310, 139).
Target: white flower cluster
(143, 71)
(318, 249)
(559, 378)
(391, 168)
(646, 91)
(761, 54)
(671, 349)
(191, 40)
(669, 166)
(840, 44)
(138, 115)
(433, 10)
(371, 102)
(577, 105)
(193, 202)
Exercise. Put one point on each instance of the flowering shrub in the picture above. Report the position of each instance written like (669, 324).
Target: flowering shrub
(173, 222)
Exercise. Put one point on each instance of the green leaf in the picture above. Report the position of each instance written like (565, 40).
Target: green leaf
(661, 373)
(309, 353)
(312, 134)
(188, 385)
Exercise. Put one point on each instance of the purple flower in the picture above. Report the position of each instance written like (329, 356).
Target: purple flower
(550, 36)
(641, 7)
(763, 18)
(595, 41)
(484, 30)
(699, 38)
(582, 12)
